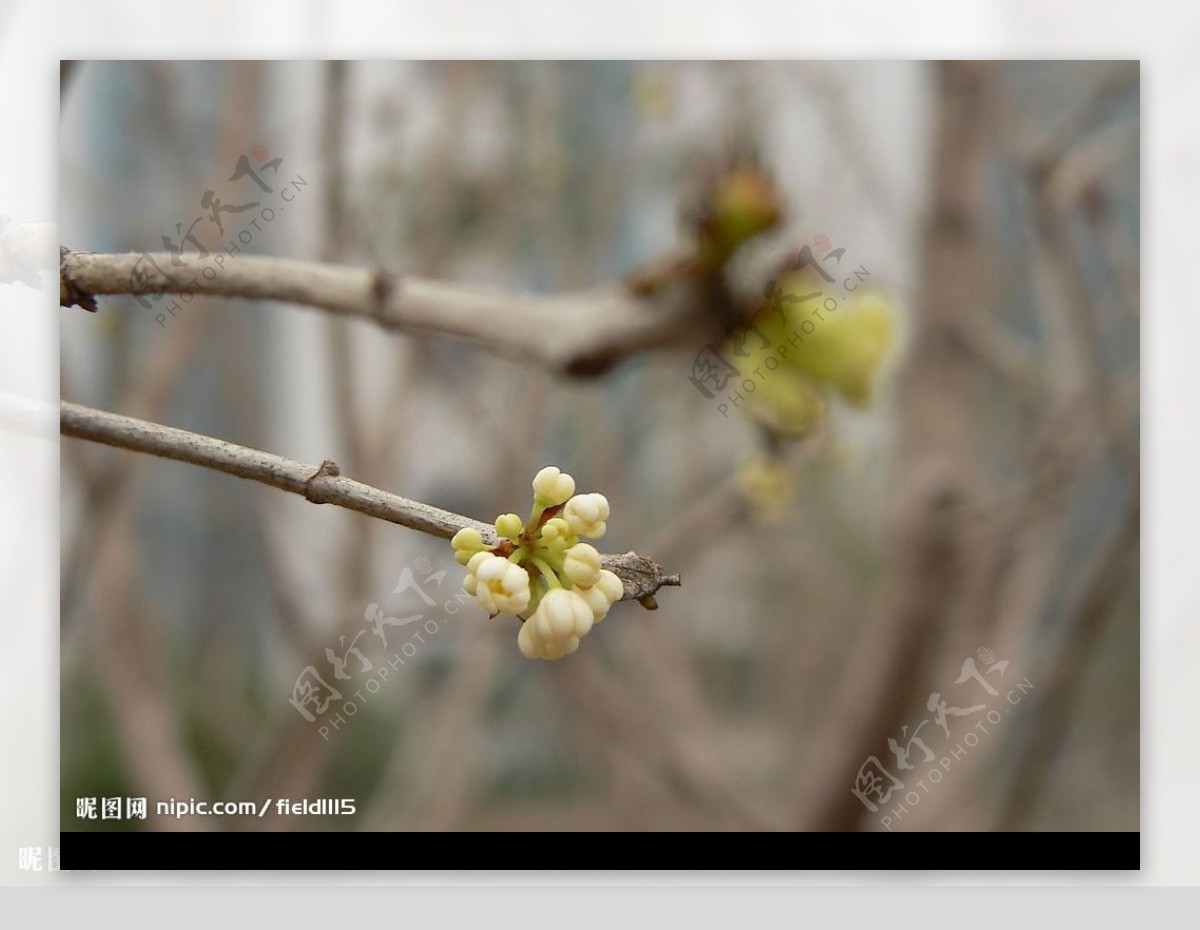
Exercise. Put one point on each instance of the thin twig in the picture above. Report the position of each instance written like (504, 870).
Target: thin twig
(322, 484)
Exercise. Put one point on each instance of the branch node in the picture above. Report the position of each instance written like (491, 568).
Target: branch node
(71, 294)
(312, 490)
(384, 285)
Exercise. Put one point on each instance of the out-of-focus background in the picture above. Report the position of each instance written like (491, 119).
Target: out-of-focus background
(968, 531)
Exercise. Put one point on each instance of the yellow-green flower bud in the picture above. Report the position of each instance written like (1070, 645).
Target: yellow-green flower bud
(466, 543)
(509, 526)
(557, 535)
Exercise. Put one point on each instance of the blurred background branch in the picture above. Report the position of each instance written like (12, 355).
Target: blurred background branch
(582, 333)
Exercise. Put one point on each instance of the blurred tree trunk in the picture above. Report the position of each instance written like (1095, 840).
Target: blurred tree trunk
(929, 578)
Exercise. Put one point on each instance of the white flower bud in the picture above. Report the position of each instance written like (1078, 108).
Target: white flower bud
(586, 514)
(563, 614)
(611, 585)
(596, 601)
(551, 486)
(607, 590)
(528, 641)
(471, 582)
(582, 565)
(503, 587)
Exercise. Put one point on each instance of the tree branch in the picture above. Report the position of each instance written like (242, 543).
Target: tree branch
(584, 333)
(323, 484)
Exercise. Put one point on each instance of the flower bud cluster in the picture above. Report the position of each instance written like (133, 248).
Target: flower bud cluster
(540, 570)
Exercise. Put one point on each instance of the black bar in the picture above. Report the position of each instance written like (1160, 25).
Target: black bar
(873, 852)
